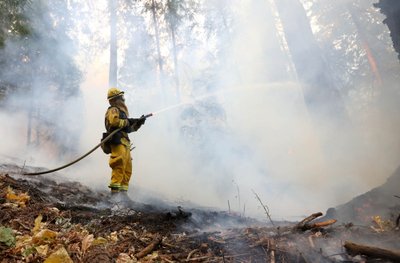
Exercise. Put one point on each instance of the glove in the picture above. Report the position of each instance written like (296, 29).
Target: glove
(136, 123)
(141, 120)
(132, 121)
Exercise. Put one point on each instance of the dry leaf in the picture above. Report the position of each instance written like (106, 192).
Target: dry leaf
(113, 236)
(42, 250)
(44, 235)
(19, 199)
(87, 242)
(378, 221)
(124, 258)
(99, 241)
(38, 220)
(60, 256)
(74, 248)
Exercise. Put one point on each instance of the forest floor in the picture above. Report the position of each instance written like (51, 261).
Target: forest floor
(42, 220)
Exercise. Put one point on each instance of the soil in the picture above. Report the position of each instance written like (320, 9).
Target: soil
(49, 217)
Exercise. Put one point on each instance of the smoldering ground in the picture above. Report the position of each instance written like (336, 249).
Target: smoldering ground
(258, 135)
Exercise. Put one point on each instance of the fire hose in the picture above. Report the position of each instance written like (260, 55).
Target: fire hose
(86, 154)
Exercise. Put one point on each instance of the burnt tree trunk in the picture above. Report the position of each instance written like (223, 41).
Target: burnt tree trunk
(391, 8)
(355, 17)
(320, 92)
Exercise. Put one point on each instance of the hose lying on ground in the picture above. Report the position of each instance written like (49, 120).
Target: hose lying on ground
(77, 160)
(86, 154)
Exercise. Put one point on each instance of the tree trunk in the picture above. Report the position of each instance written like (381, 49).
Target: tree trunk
(113, 44)
(157, 35)
(160, 62)
(320, 92)
(391, 8)
(354, 14)
(178, 95)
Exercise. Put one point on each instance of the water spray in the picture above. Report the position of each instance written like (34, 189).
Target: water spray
(114, 132)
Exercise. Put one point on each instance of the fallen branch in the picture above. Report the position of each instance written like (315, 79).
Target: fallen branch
(375, 252)
(191, 253)
(164, 258)
(149, 248)
(309, 218)
(303, 224)
(272, 248)
(266, 209)
(318, 225)
(324, 224)
(199, 258)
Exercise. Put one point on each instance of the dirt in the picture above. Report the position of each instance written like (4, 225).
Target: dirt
(49, 218)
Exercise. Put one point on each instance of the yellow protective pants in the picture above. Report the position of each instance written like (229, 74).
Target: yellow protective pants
(121, 165)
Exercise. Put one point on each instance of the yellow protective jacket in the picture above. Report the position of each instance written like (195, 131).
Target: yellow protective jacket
(114, 119)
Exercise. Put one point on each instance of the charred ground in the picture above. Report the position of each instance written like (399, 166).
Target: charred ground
(49, 220)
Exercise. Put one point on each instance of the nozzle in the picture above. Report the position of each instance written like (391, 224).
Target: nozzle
(146, 116)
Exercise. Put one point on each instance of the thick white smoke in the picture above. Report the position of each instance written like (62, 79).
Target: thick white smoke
(269, 142)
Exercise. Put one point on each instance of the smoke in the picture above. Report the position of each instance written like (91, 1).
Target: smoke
(41, 87)
(242, 124)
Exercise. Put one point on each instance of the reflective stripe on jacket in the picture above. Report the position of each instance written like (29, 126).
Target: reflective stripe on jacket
(114, 119)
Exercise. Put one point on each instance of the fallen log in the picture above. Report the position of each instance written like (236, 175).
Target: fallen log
(324, 223)
(369, 251)
(309, 218)
(305, 224)
(147, 250)
(318, 225)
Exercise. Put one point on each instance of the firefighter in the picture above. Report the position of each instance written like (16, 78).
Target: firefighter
(117, 116)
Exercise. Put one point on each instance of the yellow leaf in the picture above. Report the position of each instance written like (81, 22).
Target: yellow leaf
(19, 199)
(42, 250)
(10, 194)
(38, 220)
(23, 241)
(114, 236)
(60, 256)
(378, 221)
(87, 242)
(99, 241)
(44, 235)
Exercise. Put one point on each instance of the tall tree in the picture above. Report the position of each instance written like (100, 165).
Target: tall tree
(391, 8)
(153, 6)
(43, 73)
(320, 93)
(355, 15)
(140, 61)
(14, 24)
(176, 13)
(357, 46)
(173, 17)
(13, 21)
(113, 74)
